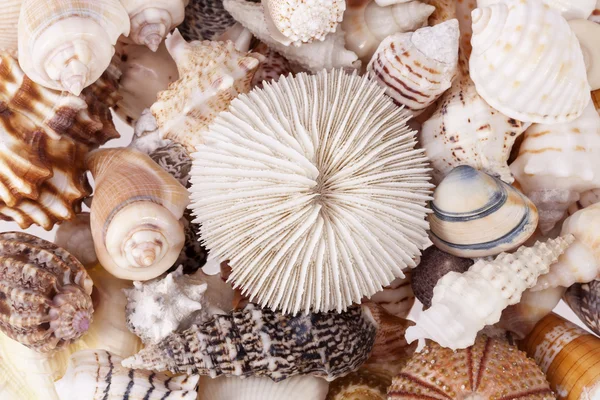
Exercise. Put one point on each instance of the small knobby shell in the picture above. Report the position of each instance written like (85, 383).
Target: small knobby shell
(478, 215)
(584, 300)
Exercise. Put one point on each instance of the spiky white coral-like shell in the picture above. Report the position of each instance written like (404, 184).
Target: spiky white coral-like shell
(327, 54)
(463, 304)
(557, 162)
(261, 388)
(98, 375)
(9, 20)
(532, 75)
(312, 189)
(588, 34)
(211, 74)
(416, 68)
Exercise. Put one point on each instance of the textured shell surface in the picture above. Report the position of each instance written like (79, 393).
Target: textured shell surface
(550, 87)
(98, 375)
(261, 388)
(271, 67)
(75, 236)
(263, 342)
(416, 68)
(478, 215)
(136, 213)
(557, 162)
(366, 23)
(397, 298)
(9, 21)
(205, 20)
(588, 34)
(295, 167)
(68, 44)
(364, 384)
(45, 293)
(490, 369)
(211, 74)
(314, 57)
(568, 355)
(584, 300)
(463, 304)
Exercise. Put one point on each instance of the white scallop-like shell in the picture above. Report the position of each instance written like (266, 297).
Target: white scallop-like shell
(293, 168)
(532, 75)
(9, 20)
(416, 68)
(463, 304)
(588, 34)
(262, 388)
(327, 54)
(75, 236)
(557, 162)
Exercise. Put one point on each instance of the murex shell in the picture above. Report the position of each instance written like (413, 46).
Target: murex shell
(463, 304)
(531, 75)
(205, 20)
(211, 74)
(477, 215)
(490, 369)
(312, 189)
(45, 293)
(98, 375)
(263, 342)
(584, 300)
(261, 388)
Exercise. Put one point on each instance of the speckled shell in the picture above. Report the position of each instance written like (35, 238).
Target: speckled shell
(477, 215)
(416, 68)
(271, 67)
(75, 236)
(205, 20)
(397, 298)
(8, 26)
(490, 369)
(364, 384)
(45, 293)
(568, 355)
(211, 74)
(463, 304)
(326, 345)
(550, 87)
(584, 300)
(557, 162)
(98, 375)
(261, 388)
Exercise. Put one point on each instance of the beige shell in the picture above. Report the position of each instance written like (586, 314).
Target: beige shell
(531, 75)
(211, 74)
(588, 34)
(366, 23)
(261, 388)
(595, 17)
(151, 21)
(75, 236)
(68, 44)
(463, 304)
(327, 54)
(9, 20)
(416, 68)
(135, 214)
(573, 9)
(558, 162)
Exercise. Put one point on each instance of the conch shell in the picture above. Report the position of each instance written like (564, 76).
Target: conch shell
(135, 214)
(9, 20)
(68, 44)
(557, 162)
(588, 33)
(211, 74)
(75, 236)
(531, 75)
(416, 68)
(463, 304)
(151, 21)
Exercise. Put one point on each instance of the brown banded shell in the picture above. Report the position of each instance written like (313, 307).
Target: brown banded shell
(45, 300)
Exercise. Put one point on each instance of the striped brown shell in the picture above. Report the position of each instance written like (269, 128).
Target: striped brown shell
(45, 300)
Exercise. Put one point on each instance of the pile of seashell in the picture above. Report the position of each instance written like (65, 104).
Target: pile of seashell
(395, 193)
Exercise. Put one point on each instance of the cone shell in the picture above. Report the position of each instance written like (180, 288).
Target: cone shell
(9, 21)
(75, 236)
(463, 304)
(490, 369)
(416, 68)
(45, 293)
(397, 298)
(568, 355)
(587, 33)
(364, 384)
(211, 75)
(584, 300)
(550, 87)
(241, 343)
(135, 214)
(261, 388)
(477, 215)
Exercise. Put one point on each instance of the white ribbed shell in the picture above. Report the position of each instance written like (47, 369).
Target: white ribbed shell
(262, 388)
(312, 189)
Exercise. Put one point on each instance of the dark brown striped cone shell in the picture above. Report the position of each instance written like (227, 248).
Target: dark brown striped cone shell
(45, 300)
(584, 300)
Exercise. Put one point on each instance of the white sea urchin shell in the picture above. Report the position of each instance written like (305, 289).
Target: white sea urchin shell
(313, 190)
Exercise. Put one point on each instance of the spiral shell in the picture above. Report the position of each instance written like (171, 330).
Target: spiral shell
(135, 214)
(9, 21)
(45, 293)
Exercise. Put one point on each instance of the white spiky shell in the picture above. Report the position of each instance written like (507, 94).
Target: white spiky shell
(9, 20)
(262, 388)
(366, 23)
(416, 68)
(211, 74)
(98, 375)
(75, 236)
(557, 162)
(303, 184)
(532, 75)
(588, 34)
(327, 54)
(68, 44)
(463, 304)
